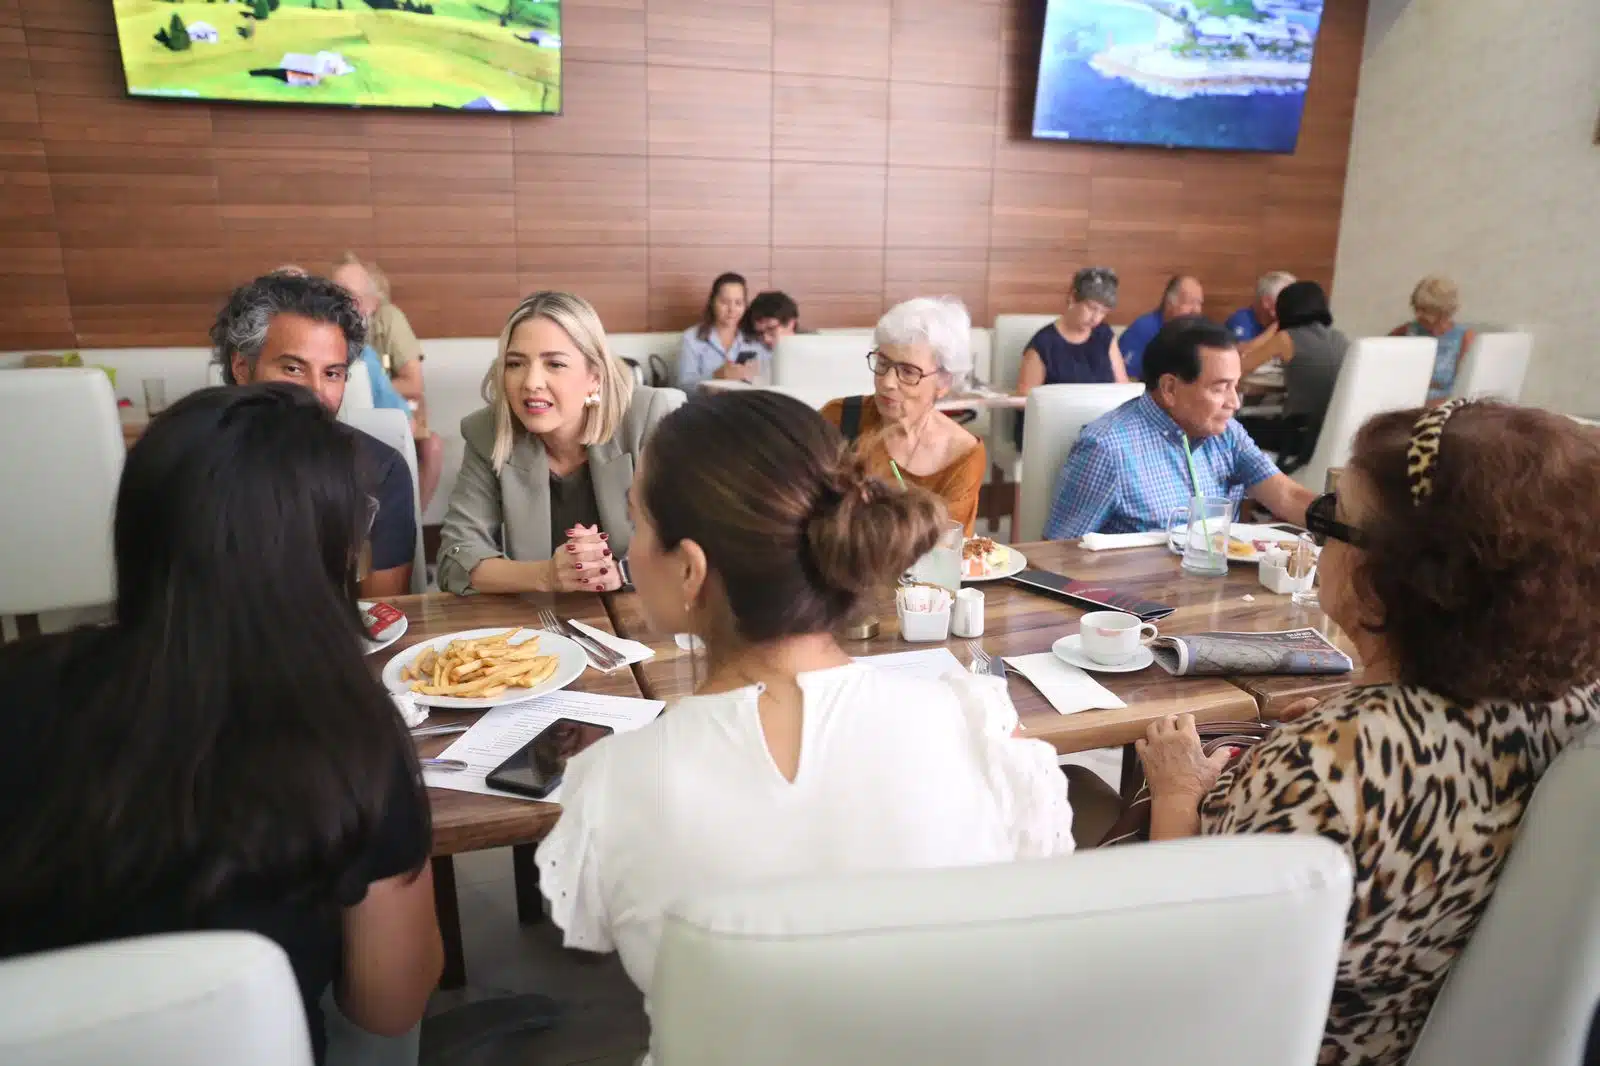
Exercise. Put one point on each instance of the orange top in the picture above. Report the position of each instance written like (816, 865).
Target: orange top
(957, 484)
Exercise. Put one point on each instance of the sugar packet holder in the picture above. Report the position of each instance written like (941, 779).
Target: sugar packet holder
(924, 612)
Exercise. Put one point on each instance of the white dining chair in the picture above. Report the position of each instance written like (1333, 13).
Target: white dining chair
(1056, 415)
(822, 366)
(1494, 367)
(357, 389)
(1378, 374)
(184, 999)
(1129, 956)
(1526, 986)
(393, 428)
(1011, 336)
(61, 456)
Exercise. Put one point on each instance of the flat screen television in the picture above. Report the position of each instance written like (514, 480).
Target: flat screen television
(469, 55)
(1222, 74)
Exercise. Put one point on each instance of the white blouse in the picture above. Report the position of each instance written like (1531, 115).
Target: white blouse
(894, 773)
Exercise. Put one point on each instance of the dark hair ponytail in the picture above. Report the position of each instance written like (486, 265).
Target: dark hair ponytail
(789, 520)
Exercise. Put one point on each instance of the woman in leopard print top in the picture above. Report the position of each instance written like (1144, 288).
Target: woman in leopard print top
(1464, 561)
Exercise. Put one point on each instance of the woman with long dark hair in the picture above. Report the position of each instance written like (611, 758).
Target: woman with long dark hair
(717, 346)
(221, 756)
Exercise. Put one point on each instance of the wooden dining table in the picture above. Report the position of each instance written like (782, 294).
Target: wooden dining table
(465, 821)
(1017, 622)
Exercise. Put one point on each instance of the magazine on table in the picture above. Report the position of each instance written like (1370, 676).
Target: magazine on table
(1293, 651)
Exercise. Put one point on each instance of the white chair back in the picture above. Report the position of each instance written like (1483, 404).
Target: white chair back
(642, 348)
(1495, 366)
(357, 389)
(819, 367)
(186, 999)
(1011, 336)
(1378, 374)
(1056, 415)
(61, 455)
(1026, 963)
(214, 375)
(393, 428)
(453, 375)
(1525, 988)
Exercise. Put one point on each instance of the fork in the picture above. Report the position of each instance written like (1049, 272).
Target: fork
(603, 657)
(983, 663)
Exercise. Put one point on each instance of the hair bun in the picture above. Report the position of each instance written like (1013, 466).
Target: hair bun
(864, 533)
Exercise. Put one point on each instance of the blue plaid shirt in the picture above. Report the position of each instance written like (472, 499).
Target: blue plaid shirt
(1127, 472)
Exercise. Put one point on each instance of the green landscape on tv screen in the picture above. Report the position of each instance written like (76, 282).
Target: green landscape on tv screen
(473, 55)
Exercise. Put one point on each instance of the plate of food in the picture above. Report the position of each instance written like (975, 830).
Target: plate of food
(479, 668)
(383, 622)
(984, 560)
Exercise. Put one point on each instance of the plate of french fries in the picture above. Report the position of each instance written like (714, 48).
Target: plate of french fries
(480, 668)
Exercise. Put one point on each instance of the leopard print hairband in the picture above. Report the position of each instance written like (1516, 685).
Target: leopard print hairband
(1422, 454)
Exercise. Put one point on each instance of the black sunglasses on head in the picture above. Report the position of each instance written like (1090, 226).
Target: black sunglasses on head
(1322, 525)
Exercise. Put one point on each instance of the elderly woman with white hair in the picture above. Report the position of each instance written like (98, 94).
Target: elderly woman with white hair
(541, 504)
(1435, 302)
(922, 349)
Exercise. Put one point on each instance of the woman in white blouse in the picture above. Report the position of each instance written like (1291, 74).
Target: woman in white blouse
(756, 529)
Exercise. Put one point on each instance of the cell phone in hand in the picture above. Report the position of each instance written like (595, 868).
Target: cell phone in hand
(538, 766)
(745, 356)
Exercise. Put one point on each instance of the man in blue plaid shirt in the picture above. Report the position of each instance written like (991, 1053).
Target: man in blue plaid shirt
(1129, 471)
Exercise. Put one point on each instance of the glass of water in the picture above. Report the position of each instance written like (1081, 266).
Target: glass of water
(1303, 562)
(942, 565)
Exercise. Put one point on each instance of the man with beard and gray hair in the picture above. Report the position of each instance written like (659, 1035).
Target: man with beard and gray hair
(305, 330)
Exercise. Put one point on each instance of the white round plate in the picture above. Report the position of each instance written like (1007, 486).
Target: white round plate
(1016, 564)
(388, 636)
(1070, 650)
(572, 665)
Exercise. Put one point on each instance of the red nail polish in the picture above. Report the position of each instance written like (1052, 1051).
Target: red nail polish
(607, 551)
(605, 570)
(578, 565)
(605, 536)
(571, 548)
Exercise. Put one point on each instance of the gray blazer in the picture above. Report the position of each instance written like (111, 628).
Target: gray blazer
(508, 514)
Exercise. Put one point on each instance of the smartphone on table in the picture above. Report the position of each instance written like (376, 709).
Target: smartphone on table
(538, 766)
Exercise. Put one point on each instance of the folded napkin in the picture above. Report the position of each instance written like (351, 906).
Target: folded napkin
(630, 650)
(1099, 542)
(1068, 689)
(413, 712)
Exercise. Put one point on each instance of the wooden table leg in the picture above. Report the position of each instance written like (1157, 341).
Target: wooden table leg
(530, 903)
(1132, 775)
(448, 909)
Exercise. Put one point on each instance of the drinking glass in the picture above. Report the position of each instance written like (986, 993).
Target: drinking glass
(1303, 552)
(155, 396)
(942, 565)
(1199, 532)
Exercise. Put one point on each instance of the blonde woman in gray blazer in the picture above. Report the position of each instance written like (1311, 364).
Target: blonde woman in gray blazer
(541, 504)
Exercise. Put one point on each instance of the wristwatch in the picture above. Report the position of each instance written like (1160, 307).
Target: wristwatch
(626, 573)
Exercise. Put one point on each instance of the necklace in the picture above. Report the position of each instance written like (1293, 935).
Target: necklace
(916, 439)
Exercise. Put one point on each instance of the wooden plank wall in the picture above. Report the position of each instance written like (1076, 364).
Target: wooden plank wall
(852, 152)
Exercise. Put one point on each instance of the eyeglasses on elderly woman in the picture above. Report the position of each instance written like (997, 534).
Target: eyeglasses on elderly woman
(1323, 526)
(909, 373)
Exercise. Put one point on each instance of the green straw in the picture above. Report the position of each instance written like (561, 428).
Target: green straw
(896, 468)
(1194, 480)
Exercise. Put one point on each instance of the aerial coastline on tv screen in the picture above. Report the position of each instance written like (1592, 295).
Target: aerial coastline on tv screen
(473, 55)
(1227, 74)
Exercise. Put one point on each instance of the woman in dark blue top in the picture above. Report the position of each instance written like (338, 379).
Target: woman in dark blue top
(1078, 348)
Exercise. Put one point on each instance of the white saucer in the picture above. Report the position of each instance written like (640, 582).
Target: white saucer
(1070, 650)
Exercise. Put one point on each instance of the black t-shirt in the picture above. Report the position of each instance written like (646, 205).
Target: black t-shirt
(388, 479)
(50, 680)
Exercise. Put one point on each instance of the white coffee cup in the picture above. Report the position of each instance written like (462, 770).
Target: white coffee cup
(1112, 637)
